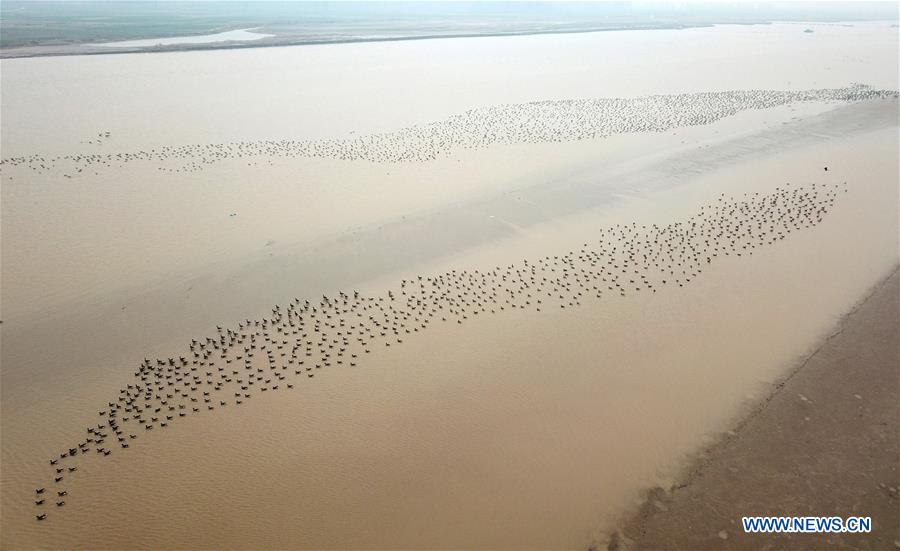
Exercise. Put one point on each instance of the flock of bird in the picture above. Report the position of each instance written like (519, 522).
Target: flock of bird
(297, 341)
(536, 122)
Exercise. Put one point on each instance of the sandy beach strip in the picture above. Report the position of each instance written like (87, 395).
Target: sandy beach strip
(824, 444)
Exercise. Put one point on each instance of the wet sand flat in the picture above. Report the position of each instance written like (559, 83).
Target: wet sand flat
(506, 429)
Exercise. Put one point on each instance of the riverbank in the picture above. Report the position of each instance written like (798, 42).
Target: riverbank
(824, 444)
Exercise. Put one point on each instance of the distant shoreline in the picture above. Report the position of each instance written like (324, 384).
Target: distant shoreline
(274, 43)
(78, 49)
